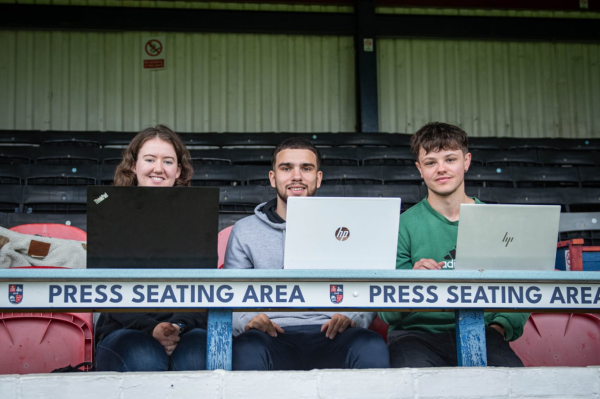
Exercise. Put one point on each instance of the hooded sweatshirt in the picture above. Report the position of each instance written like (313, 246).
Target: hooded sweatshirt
(258, 242)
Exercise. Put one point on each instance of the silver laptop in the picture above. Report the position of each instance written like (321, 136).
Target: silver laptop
(507, 237)
(341, 233)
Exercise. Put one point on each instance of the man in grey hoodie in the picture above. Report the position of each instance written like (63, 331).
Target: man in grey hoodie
(293, 340)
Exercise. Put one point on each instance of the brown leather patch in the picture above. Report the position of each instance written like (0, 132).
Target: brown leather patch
(3, 241)
(84, 245)
(38, 249)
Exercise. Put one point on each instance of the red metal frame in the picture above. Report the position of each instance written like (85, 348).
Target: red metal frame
(576, 249)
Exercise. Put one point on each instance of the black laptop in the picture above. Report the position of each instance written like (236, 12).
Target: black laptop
(152, 227)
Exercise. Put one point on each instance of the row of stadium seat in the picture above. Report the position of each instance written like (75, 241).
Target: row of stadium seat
(69, 337)
(237, 175)
(243, 199)
(324, 139)
(572, 225)
(350, 156)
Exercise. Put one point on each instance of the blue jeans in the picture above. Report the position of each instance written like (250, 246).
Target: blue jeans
(133, 350)
(306, 348)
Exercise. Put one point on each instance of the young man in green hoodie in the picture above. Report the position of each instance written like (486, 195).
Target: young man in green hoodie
(427, 241)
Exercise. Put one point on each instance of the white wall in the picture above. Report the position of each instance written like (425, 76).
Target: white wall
(490, 88)
(213, 82)
(451, 383)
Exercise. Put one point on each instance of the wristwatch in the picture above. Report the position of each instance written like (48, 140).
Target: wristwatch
(182, 327)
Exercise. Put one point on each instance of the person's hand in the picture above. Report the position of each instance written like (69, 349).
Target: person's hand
(428, 264)
(500, 329)
(167, 335)
(264, 324)
(337, 324)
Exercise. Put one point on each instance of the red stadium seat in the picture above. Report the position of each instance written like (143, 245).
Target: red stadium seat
(222, 244)
(380, 327)
(53, 230)
(42, 342)
(554, 340)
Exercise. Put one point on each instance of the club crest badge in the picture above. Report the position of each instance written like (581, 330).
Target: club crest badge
(15, 293)
(336, 293)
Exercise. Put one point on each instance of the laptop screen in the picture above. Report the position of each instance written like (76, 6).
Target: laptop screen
(341, 233)
(507, 237)
(152, 227)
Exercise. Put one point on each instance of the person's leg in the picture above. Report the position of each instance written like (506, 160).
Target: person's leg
(418, 349)
(131, 350)
(190, 353)
(256, 350)
(499, 352)
(355, 348)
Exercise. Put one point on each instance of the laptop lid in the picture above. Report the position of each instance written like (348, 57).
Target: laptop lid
(152, 227)
(507, 237)
(341, 233)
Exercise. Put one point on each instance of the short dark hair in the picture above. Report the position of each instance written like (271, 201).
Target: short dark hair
(295, 143)
(124, 175)
(437, 136)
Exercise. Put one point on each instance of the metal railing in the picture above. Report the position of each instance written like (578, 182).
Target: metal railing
(220, 292)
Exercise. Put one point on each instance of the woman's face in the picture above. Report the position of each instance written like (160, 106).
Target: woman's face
(157, 164)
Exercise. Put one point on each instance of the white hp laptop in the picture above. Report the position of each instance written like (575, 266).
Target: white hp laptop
(507, 237)
(341, 233)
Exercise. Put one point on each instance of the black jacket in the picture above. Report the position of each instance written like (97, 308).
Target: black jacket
(110, 322)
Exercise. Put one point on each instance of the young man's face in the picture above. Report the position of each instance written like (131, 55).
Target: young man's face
(444, 171)
(295, 174)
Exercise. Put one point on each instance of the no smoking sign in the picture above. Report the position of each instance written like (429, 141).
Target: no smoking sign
(153, 53)
(153, 48)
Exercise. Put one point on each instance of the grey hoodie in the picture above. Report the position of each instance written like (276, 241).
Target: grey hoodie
(257, 243)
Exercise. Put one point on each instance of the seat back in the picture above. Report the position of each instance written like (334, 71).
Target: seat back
(561, 339)
(217, 175)
(243, 199)
(222, 245)
(55, 199)
(42, 342)
(53, 230)
(380, 327)
(11, 199)
(580, 225)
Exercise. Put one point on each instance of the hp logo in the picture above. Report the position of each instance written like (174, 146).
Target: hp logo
(342, 234)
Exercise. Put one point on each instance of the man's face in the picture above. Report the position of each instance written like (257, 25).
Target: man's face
(443, 171)
(295, 174)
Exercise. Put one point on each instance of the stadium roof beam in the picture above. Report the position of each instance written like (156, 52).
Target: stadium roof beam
(22, 16)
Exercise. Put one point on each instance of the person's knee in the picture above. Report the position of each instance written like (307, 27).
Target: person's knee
(368, 350)
(407, 350)
(197, 335)
(131, 350)
(499, 352)
(250, 351)
(190, 353)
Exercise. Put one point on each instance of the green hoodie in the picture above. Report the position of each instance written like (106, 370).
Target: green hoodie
(425, 234)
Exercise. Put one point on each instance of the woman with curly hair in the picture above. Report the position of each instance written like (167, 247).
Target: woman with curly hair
(140, 158)
(156, 157)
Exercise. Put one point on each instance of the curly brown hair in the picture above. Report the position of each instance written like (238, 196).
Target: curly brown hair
(124, 175)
